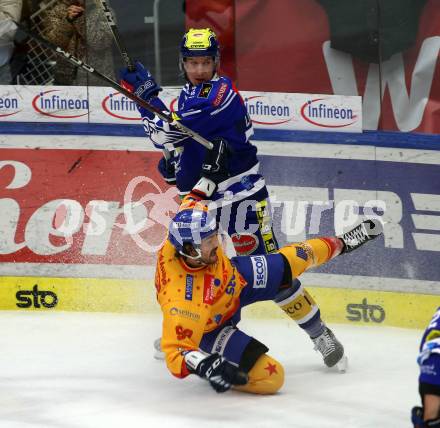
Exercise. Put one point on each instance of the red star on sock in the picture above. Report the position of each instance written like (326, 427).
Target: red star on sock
(271, 368)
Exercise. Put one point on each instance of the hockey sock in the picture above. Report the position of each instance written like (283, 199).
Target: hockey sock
(297, 303)
(265, 377)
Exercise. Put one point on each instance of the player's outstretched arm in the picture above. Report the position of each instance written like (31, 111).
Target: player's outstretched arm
(219, 372)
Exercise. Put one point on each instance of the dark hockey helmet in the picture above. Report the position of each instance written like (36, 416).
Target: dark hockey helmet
(191, 225)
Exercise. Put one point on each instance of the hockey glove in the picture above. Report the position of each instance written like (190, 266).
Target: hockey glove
(214, 169)
(167, 170)
(417, 419)
(220, 373)
(215, 165)
(140, 82)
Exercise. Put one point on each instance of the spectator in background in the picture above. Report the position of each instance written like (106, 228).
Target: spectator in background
(79, 27)
(9, 10)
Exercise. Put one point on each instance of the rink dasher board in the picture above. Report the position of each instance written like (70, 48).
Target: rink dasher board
(392, 268)
(337, 305)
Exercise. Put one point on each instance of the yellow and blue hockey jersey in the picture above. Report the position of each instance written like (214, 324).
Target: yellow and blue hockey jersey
(193, 302)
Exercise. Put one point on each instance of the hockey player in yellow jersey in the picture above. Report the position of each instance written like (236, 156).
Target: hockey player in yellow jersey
(201, 292)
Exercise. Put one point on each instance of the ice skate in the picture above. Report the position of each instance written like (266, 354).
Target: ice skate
(331, 350)
(158, 353)
(364, 232)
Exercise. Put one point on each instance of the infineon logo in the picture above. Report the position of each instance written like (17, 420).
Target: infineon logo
(264, 113)
(8, 106)
(321, 112)
(56, 105)
(119, 106)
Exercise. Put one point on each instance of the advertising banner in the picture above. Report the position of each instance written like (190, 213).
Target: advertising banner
(44, 104)
(324, 196)
(310, 112)
(80, 207)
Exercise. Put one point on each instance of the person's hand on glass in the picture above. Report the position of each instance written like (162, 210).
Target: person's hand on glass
(74, 11)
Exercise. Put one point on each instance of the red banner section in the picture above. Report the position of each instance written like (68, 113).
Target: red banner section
(82, 206)
(288, 46)
(219, 15)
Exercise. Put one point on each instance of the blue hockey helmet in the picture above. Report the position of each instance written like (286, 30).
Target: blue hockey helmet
(199, 42)
(191, 225)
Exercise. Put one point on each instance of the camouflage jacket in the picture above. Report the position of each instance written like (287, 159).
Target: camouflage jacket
(88, 38)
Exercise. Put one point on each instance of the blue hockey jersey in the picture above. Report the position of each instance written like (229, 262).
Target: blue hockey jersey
(212, 109)
(430, 347)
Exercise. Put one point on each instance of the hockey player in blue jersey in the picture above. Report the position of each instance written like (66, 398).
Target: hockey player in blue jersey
(210, 105)
(428, 416)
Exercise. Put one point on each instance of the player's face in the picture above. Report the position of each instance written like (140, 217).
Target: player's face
(199, 69)
(208, 248)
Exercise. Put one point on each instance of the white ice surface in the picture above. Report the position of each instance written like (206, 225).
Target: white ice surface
(70, 370)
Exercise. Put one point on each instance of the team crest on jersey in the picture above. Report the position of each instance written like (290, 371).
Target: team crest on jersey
(205, 91)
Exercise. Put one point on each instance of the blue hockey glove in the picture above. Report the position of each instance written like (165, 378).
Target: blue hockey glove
(214, 169)
(417, 416)
(167, 169)
(220, 373)
(140, 82)
(417, 419)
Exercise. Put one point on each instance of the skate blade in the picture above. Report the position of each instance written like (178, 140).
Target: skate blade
(159, 355)
(342, 364)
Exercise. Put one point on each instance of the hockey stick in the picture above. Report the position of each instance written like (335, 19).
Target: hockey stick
(80, 64)
(116, 35)
(121, 47)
